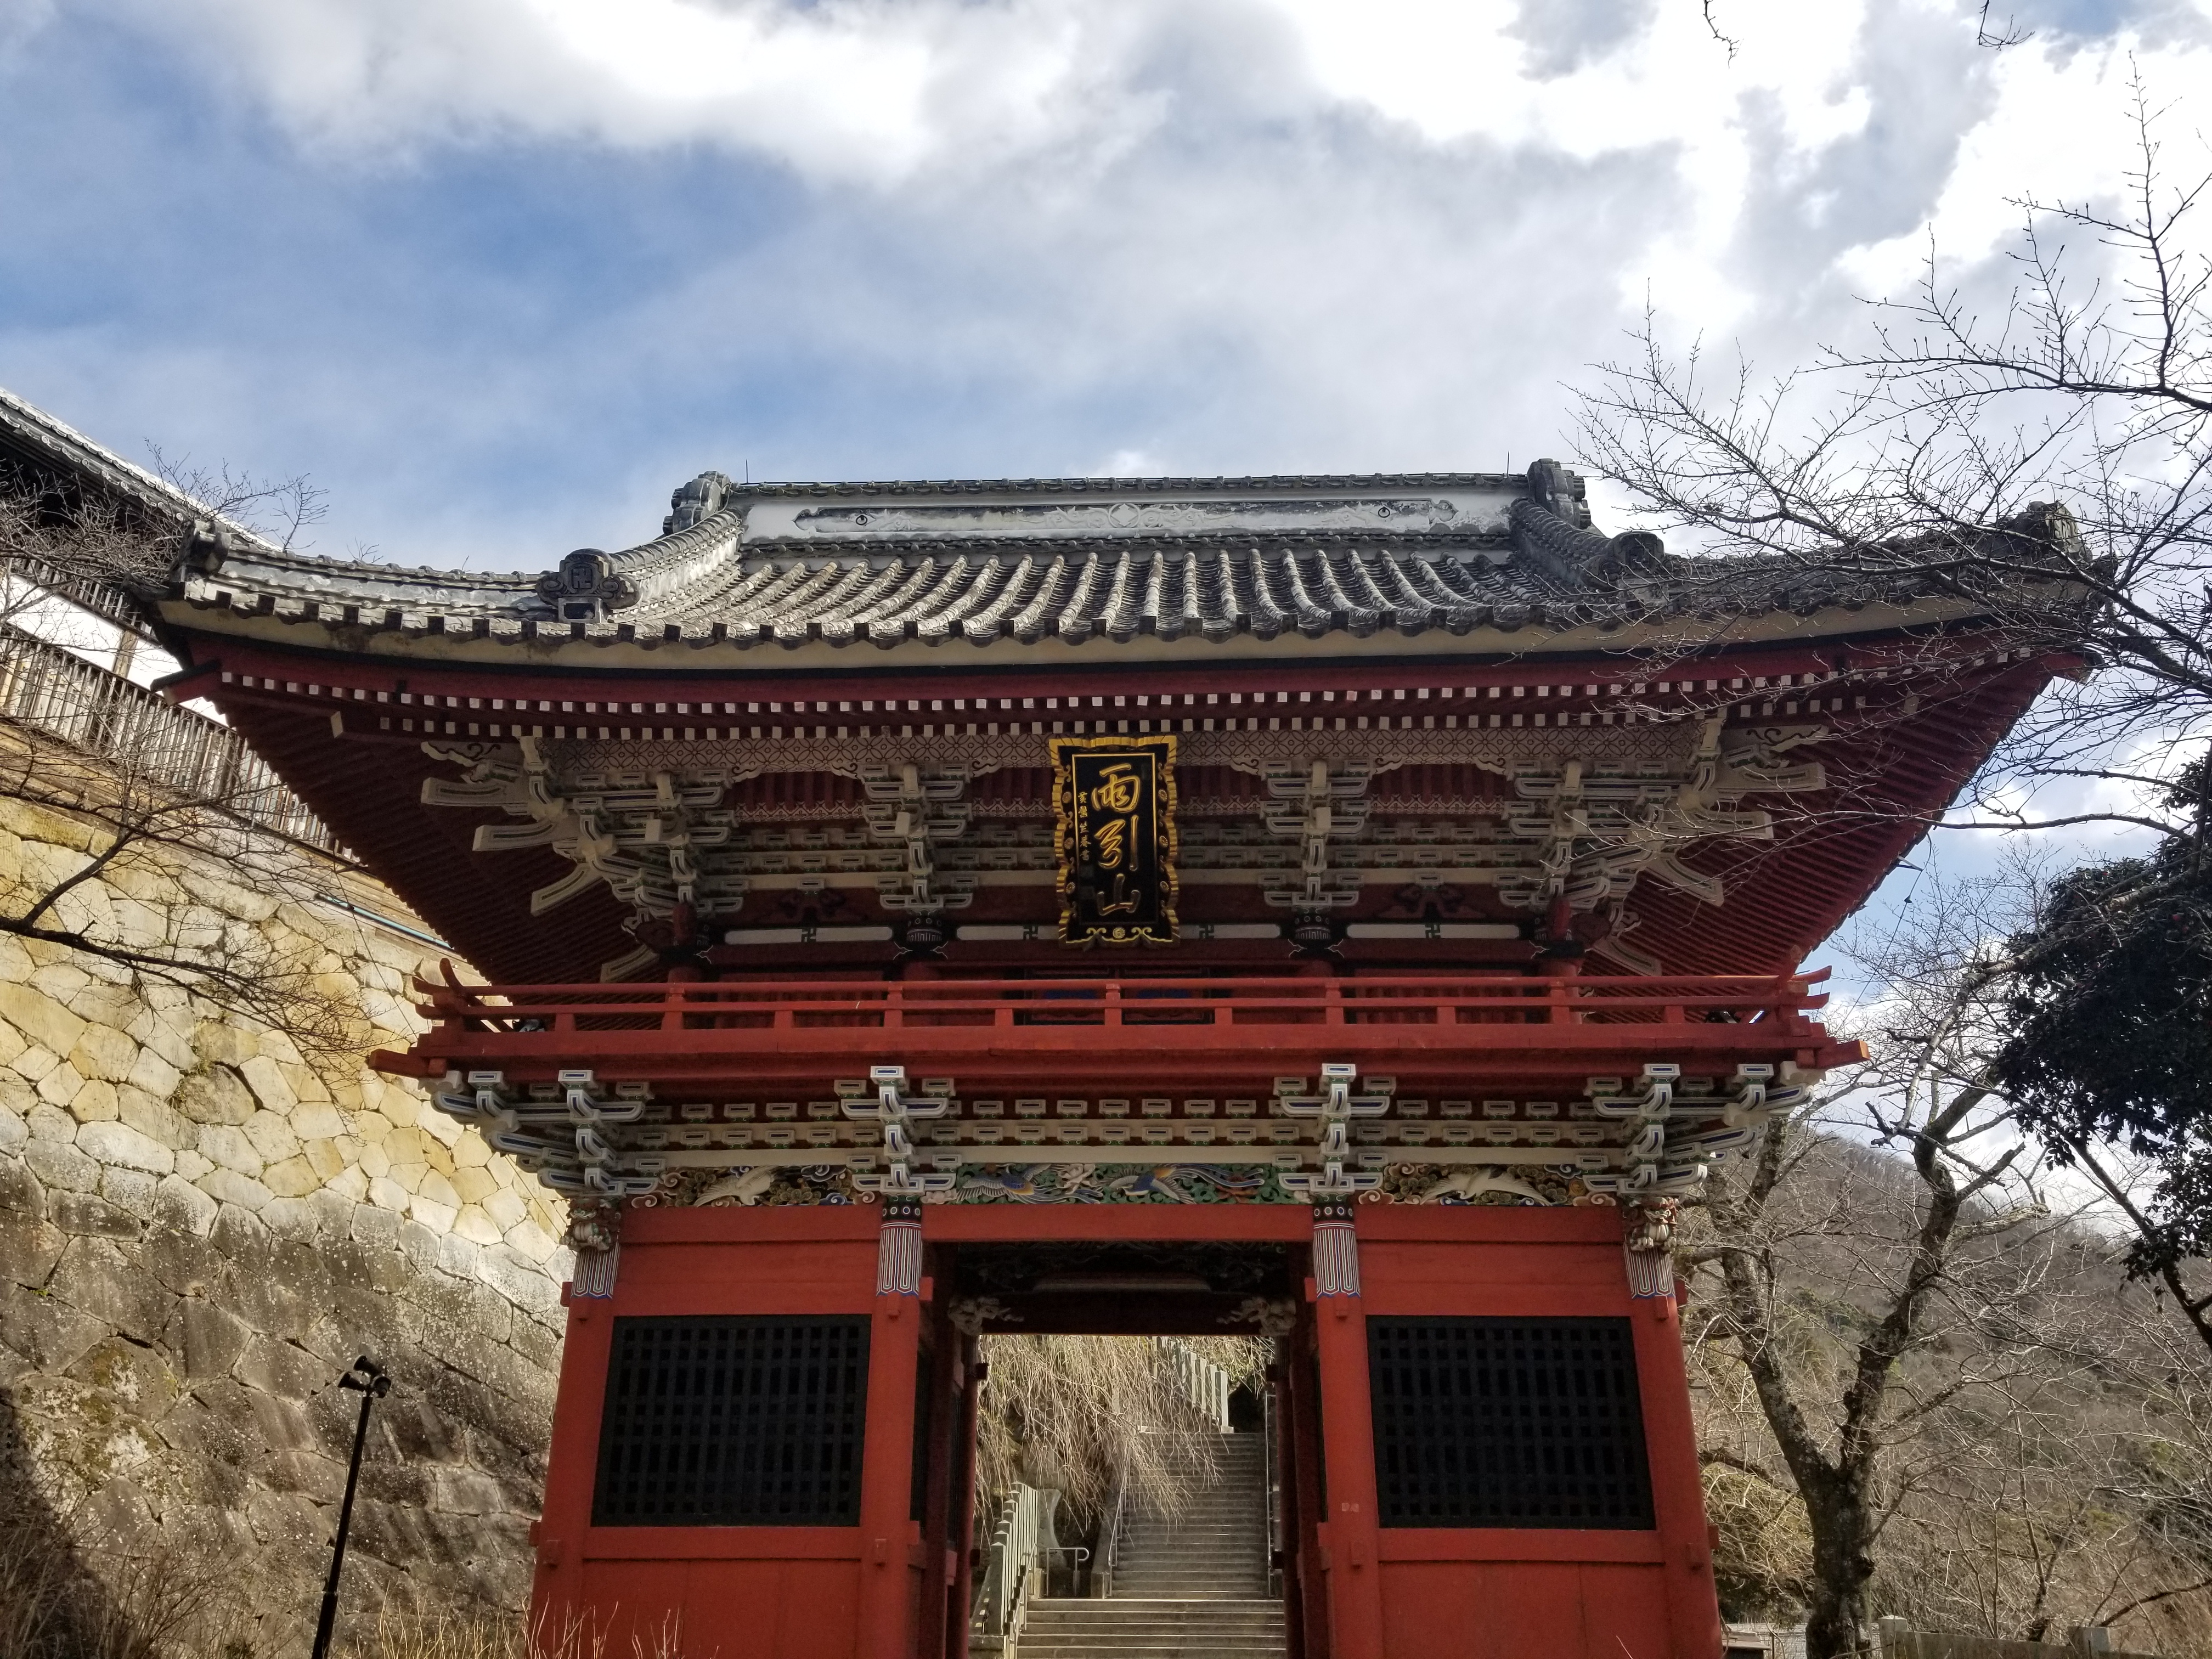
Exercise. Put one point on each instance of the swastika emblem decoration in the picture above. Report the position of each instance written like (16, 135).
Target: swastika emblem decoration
(1114, 800)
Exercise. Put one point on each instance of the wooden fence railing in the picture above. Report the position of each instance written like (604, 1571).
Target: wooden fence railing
(59, 694)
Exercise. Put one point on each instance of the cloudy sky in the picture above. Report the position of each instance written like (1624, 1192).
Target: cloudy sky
(498, 273)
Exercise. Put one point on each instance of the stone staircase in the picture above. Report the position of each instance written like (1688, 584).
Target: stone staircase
(1189, 1586)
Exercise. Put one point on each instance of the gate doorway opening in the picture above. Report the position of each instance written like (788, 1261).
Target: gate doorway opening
(1129, 1495)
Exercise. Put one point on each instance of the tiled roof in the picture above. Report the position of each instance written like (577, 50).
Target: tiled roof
(1025, 560)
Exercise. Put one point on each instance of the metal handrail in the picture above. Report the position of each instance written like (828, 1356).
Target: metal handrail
(1002, 1587)
(1111, 1556)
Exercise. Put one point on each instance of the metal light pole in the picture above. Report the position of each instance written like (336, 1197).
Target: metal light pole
(367, 1379)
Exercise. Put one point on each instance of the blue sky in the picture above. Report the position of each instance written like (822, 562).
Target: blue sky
(498, 273)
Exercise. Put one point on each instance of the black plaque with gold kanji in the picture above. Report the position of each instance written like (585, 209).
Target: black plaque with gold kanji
(1116, 801)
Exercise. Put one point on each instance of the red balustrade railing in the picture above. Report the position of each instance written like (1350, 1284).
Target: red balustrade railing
(718, 1025)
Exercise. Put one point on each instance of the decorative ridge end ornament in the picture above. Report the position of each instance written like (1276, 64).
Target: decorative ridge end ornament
(696, 502)
(585, 587)
(1114, 841)
(1551, 528)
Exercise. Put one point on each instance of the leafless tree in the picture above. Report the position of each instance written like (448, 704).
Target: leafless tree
(151, 793)
(2045, 462)
(1081, 1414)
(1928, 1388)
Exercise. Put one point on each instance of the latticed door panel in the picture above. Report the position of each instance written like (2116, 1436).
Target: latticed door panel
(734, 1421)
(1492, 1422)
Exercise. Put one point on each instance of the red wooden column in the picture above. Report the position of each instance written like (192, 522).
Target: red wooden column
(1306, 1593)
(1678, 1496)
(963, 1504)
(558, 1536)
(887, 1531)
(1347, 1424)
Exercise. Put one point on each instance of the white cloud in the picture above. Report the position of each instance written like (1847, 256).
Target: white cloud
(1049, 235)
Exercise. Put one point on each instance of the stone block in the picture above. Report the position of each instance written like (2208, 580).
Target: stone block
(403, 1485)
(153, 1115)
(21, 1195)
(376, 1227)
(118, 1142)
(438, 1218)
(270, 1083)
(50, 1334)
(333, 1214)
(421, 1245)
(33, 1063)
(271, 1137)
(475, 1226)
(190, 1166)
(534, 1245)
(96, 1278)
(105, 1053)
(280, 1369)
(85, 1216)
(209, 1340)
(222, 1043)
(183, 1208)
(133, 1376)
(59, 1086)
(217, 1095)
(506, 1208)
(292, 1178)
(327, 1158)
(29, 1247)
(39, 1017)
(355, 1321)
(229, 1149)
(94, 1101)
(520, 1280)
(214, 1423)
(464, 1492)
(317, 1121)
(537, 1342)
(153, 1073)
(130, 1190)
(437, 1189)
(287, 1523)
(316, 1476)
(349, 1184)
(282, 1423)
(416, 1433)
(457, 1258)
(15, 1129)
(228, 1186)
(59, 1165)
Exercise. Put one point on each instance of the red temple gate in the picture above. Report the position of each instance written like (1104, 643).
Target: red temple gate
(1460, 859)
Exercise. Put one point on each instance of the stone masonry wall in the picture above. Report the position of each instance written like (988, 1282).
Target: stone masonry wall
(198, 1231)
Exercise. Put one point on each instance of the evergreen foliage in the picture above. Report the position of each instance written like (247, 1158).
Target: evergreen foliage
(2110, 1020)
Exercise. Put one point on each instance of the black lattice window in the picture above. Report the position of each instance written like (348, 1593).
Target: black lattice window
(733, 1422)
(1508, 1423)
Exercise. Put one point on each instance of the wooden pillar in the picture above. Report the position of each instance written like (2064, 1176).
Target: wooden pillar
(947, 1377)
(1348, 1533)
(573, 1465)
(887, 1531)
(1678, 1498)
(1306, 1593)
(962, 1506)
